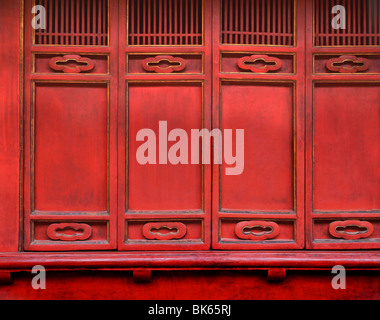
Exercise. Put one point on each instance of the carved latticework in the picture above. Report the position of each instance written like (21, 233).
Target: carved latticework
(74, 22)
(358, 23)
(258, 22)
(165, 22)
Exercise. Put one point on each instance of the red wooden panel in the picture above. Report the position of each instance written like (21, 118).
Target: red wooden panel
(256, 230)
(10, 101)
(265, 112)
(41, 63)
(70, 160)
(67, 234)
(70, 169)
(230, 62)
(262, 92)
(346, 146)
(346, 64)
(164, 231)
(163, 186)
(342, 132)
(192, 64)
(343, 233)
(171, 85)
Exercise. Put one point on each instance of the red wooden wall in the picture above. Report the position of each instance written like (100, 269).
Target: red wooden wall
(98, 163)
(10, 124)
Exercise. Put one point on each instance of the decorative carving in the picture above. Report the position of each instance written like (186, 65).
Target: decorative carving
(164, 230)
(356, 64)
(82, 63)
(257, 230)
(259, 63)
(56, 231)
(351, 229)
(164, 64)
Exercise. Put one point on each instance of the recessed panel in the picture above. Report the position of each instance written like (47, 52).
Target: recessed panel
(70, 147)
(346, 233)
(257, 62)
(265, 112)
(70, 64)
(163, 186)
(254, 231)
(346, 173)
(163, 231)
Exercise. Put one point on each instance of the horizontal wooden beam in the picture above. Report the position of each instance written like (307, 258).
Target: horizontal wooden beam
(291, 259)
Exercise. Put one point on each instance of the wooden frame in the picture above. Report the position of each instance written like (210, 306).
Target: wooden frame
(11, 168)
(313, 79)
(297, 82)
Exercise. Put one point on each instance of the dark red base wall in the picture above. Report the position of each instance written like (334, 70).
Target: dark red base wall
(193, 285)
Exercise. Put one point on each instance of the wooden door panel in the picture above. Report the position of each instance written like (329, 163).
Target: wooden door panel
(265, 112)
(258, 87)
(346, 152)
(70, 127)
(164, 187)
(165, 68)
(164, 195)
(71, 147)
(342, 133)
(346, 157)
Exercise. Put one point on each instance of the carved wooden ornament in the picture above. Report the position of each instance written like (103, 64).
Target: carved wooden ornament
(164, 230)
(172, 64)
(252, 63)
(358, 64)
(364, 229)
(266, 230)
(83, 64)
(55, 231)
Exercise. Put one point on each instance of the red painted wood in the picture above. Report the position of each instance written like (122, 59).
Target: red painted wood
(276, 274)
(357, 64)
(339, 188)
(70, 135)
(77, 231)
(175, 193)
(193, 260)
(270, 108)
(257, 230)
(10, 109)
(79, 168)
(82, 64)
(5, 277)
(351, 229)
(180, 285)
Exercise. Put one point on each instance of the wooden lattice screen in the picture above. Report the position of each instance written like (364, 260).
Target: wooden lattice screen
(165, 22)
(74, 22)
(362, 23)
(260, 22)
